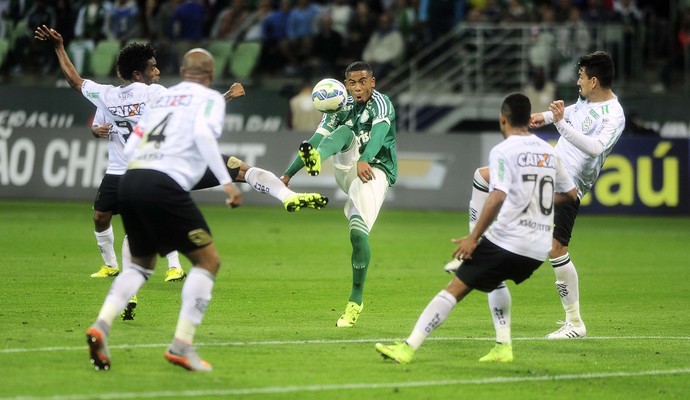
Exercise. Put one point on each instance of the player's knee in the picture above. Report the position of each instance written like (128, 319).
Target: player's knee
(102, 220)
(358, 238)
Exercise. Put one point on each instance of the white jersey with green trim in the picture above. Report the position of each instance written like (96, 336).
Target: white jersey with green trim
(178, 135)
(527, 170)
(602, 121)
(122, 106)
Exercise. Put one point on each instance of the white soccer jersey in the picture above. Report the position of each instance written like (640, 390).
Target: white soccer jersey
(588, 133)
(179, 135)
(122, 106)
(527, 170)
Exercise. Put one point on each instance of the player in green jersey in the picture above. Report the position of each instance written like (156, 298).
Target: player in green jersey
(360, 141)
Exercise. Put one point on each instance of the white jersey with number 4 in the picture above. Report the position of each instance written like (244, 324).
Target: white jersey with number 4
(527, 170)
(603, 122)
(178, 135)
(122, 106)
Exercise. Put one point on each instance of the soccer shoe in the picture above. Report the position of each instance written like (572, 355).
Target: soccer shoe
(175, 274)
(185, 356)
(348, 319)
(399, 352)
(301, 200)
(98, 348)
(311, 158)
(105, 272)
(568, 331)
(128, 313)
(452, 266)
(502, 352)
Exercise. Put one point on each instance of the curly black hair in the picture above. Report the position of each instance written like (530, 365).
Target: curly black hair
(134, 57)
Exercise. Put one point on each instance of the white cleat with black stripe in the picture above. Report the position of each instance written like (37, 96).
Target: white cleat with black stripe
(569, 331)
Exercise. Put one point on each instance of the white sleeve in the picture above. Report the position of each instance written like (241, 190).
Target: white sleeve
(99, 119)
(208, 127)
(591, 145)
(499, 173)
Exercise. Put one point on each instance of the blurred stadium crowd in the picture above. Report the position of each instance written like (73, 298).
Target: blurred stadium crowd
(297, 38)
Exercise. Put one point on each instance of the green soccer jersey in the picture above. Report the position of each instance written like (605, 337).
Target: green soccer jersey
(373, 124)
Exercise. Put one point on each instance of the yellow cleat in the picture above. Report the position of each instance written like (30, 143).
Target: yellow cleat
(174, 274)
(500, 353)
(311, 158)
(299, 201)
(399, 352)
(106, 271)
(348, 319)
(129, 313)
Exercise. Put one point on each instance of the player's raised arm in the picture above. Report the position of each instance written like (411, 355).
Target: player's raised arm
(236, 90)
(44, 33)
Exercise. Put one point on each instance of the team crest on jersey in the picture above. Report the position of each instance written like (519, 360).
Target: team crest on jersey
(364, 117)
(586, 124)
(128, 110)
(541, 160)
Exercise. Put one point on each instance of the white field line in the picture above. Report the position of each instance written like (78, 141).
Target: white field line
(323, 341)
(354, 386)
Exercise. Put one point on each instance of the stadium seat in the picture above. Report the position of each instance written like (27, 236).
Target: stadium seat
(244, 59)
(103, 58)
(16, 31)
(221, 50)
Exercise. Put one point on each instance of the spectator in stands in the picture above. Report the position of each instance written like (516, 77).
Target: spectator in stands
(254, 31)
(515, 11)
(625, 12)
(92, 26)
(187, 24)
(28, 55)
(232, 22)
(405, 19)
(65, 18)
(595, 12)
(275, 50)
(159, 17)
(361, 27)
(327, 51)
(680, 54)
(438, 17)
(300, 32)
(341, 14)
(573, 39)
(124, 20)
(562, 10)
(540, 90)
(385, 47)
(16, 10)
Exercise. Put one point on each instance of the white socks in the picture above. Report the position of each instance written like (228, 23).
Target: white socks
(433, 316)
(106, 241)
(173, 260)
(499, 304)
(567, 286)
(125, 285)
(266, 182)
(196, 295)
(480, 192)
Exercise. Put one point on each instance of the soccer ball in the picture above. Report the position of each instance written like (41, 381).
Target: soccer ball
(329, 95)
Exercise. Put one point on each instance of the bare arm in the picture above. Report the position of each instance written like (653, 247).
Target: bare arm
(44, 33)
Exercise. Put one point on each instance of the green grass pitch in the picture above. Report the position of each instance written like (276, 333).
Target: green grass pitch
(285, 278)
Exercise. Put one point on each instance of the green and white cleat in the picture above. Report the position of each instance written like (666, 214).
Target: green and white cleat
(299, 201)
(502, 352)
(348, 319)
(399, 352)
(311, 158)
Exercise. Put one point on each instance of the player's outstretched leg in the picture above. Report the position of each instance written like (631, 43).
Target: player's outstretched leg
(97, 339)
(311, 158)
(399, 352)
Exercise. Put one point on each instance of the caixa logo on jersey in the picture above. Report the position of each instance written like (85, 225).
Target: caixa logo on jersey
(128, 110)
(541, 160)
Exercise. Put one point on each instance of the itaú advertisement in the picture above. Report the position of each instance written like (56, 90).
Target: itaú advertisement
(642, 175)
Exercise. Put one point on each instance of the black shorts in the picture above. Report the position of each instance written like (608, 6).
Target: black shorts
(159, 216)
(490, 265)
(564, 220)
(106, 197)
